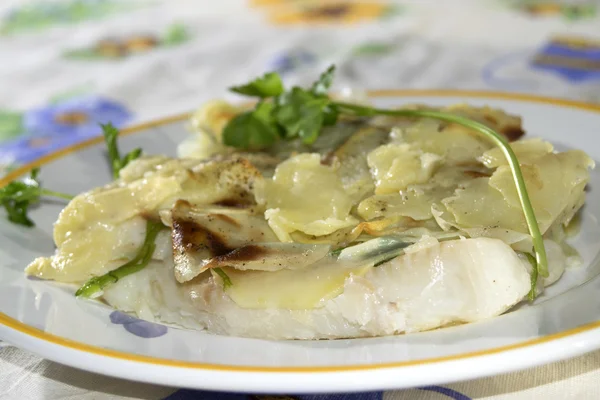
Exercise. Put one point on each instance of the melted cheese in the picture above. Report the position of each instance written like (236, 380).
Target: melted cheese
(91, 252)
(305, 196)
(351, 158)
(396, 166)
(101, 229)
(455, 143)
(296, 289)
(415, 202)
(527, 152)
(555, 183)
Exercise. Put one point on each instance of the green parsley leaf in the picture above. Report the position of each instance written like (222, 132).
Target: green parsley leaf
(269, 85)
(322, 85)
(252, 129)
(330, 115)
(17, 213)
(18, 196)
(111, 133)
(132, 155)
(224, 277)
(96, 285)
(534, 276)
(301, 114)
(34, 174)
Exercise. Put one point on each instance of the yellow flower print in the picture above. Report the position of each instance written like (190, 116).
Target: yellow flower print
(115, 48)
(132, 44)
(109, 48)
(556, 9)
(343, 12)
(260, 3)
(576, 42)
(71, 118)
(544, 9)
(266, 3)
(140, 43)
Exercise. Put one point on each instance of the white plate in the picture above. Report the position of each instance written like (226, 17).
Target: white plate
(46, 319)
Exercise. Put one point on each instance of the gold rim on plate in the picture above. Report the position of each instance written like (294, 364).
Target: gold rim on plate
(48, 337)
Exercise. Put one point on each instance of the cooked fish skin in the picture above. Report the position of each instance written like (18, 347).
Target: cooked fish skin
(456, 281)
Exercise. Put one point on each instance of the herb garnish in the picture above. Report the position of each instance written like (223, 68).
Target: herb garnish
(94, 287)
(301, 113)
(268, 85)
(298, 113)
(116, 161)
(534, 277)
(224, 277)
(18, 196)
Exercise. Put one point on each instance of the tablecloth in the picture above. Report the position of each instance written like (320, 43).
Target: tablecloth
(67, 65)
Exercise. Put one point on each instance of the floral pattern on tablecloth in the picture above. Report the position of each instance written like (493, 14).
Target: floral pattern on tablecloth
(43, 14)
(26, 136)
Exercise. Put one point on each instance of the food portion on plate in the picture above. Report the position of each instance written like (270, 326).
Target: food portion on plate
(307, 217)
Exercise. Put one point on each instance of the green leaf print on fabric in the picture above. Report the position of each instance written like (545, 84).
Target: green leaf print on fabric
(392, 11)
(370, 49)
(11, 124)
(129, 45)
(554, 9)
(175, 34)
(42, 14)
(575, 13)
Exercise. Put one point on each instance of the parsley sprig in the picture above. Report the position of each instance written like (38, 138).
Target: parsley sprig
(19, 196)
(297, 113)
(302, 113)
(116, 161)
(94, 287)
(224, 277)
(534, 277)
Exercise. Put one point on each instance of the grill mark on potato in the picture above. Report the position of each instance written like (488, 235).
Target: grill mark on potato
(227, 219)
(490, 119)
(476, 174)
(233, 202)
(189, 236)
(328, 158)
(182, 203)
(149, 216)
(245, 253)
(512, 133)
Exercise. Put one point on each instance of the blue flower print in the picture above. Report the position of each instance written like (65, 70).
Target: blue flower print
(452, 394)
(574, 59)
(291, 60)
(186, 394)
(27, 149)
(59, 125)
(341, 396)
(138, 327)
(75, 117)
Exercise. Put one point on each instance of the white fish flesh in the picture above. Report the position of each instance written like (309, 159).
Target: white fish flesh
(455, 281)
